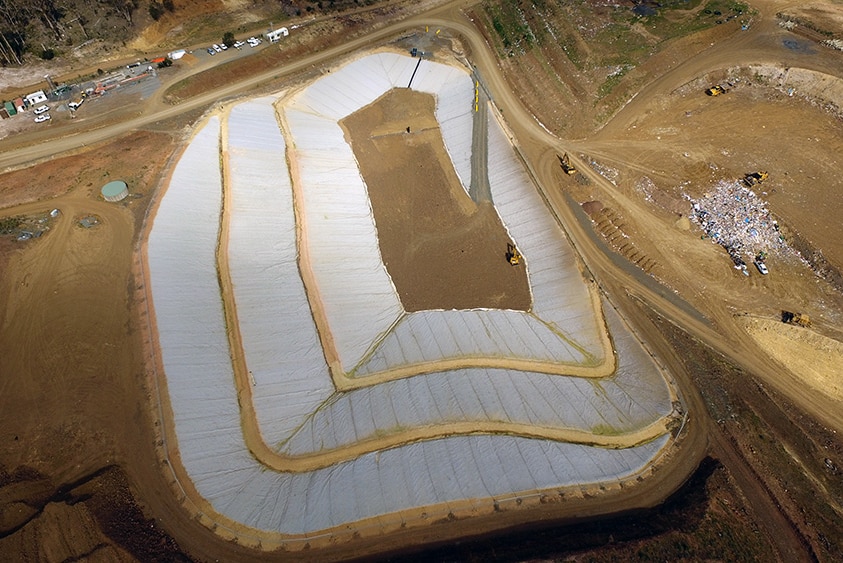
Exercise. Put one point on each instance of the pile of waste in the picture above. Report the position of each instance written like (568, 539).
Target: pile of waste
(734, 217)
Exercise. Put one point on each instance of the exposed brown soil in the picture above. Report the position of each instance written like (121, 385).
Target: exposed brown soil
(73, 396)
(73, 400)
(442, 250)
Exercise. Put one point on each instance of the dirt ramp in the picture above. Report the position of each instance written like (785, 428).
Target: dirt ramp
(815, 359)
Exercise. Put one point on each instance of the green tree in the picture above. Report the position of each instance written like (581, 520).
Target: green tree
(156, 10)
(228, 39)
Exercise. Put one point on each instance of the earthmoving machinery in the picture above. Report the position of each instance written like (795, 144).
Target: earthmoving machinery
(716, 90)
(798, 319)
(565, 162)
(755, 178)
(512, 254)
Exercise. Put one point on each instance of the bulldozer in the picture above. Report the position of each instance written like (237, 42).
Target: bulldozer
(512, 254)
(716, 90)
(565, 163)
(755, 178)
(798, 319)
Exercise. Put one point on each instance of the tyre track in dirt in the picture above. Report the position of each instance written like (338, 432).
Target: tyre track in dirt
(613, 279)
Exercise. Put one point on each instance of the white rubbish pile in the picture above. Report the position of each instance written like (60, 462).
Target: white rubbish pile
(738, 220)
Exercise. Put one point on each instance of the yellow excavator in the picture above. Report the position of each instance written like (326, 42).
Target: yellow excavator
(512, 254)
(716, 90)
(755, 178)
(565, 163)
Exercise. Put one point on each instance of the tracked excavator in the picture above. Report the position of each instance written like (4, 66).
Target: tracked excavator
(513, 255)
(565, 163)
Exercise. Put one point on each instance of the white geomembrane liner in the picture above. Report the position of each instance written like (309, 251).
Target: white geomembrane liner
(283, 351)
(355, 290)
(479, 468)
(634, 397)
(560, 296)
(188, 310)
(273, 311)
(364, 313)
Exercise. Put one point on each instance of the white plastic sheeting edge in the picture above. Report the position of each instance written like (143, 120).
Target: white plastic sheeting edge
(367, 323)
(195, 355)
(282, 347)
(635, 396)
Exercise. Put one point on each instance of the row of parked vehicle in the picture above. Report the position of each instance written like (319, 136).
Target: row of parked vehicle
(214, 49)
(41, 114)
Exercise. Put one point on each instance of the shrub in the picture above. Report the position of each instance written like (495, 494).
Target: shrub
(156, 10)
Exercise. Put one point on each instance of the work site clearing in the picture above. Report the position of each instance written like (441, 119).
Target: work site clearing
(390, 435)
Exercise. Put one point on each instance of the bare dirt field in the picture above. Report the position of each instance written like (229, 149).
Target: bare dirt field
(79, 477)
(442, 250)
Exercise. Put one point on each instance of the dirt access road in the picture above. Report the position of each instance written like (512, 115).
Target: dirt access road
(133, 444)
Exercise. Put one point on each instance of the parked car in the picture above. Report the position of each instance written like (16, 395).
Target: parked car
(75, 105)
(762, 267)
(216, 48)
(40, 110)
(211, 51)
(238, 44)
(42, 118)
(223, 46)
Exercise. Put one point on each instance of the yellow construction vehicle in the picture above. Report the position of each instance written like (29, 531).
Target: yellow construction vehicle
(565, 162)
(755, 178)
(716, 90)
(798, 319)
(513, 255)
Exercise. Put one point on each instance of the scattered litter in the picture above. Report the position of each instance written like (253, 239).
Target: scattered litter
(734, 217)
(607, 172)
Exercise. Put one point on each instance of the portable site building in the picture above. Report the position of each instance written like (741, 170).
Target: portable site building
(274, 36)
(34, 98)
(10, 108)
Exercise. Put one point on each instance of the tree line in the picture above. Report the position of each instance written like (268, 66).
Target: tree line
(35, 25)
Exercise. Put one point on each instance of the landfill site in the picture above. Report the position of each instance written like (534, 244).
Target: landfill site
(385, 299)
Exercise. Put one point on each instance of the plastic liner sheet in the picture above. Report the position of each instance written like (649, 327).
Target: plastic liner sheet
(478, 468)
(560, 296)
(454, 91)
(364, 80)
(282, 348)
(188, 307)
(355, 290)
(361, 304)
(429, 336)
(635, 396)
(562, 325)
(195, 354)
